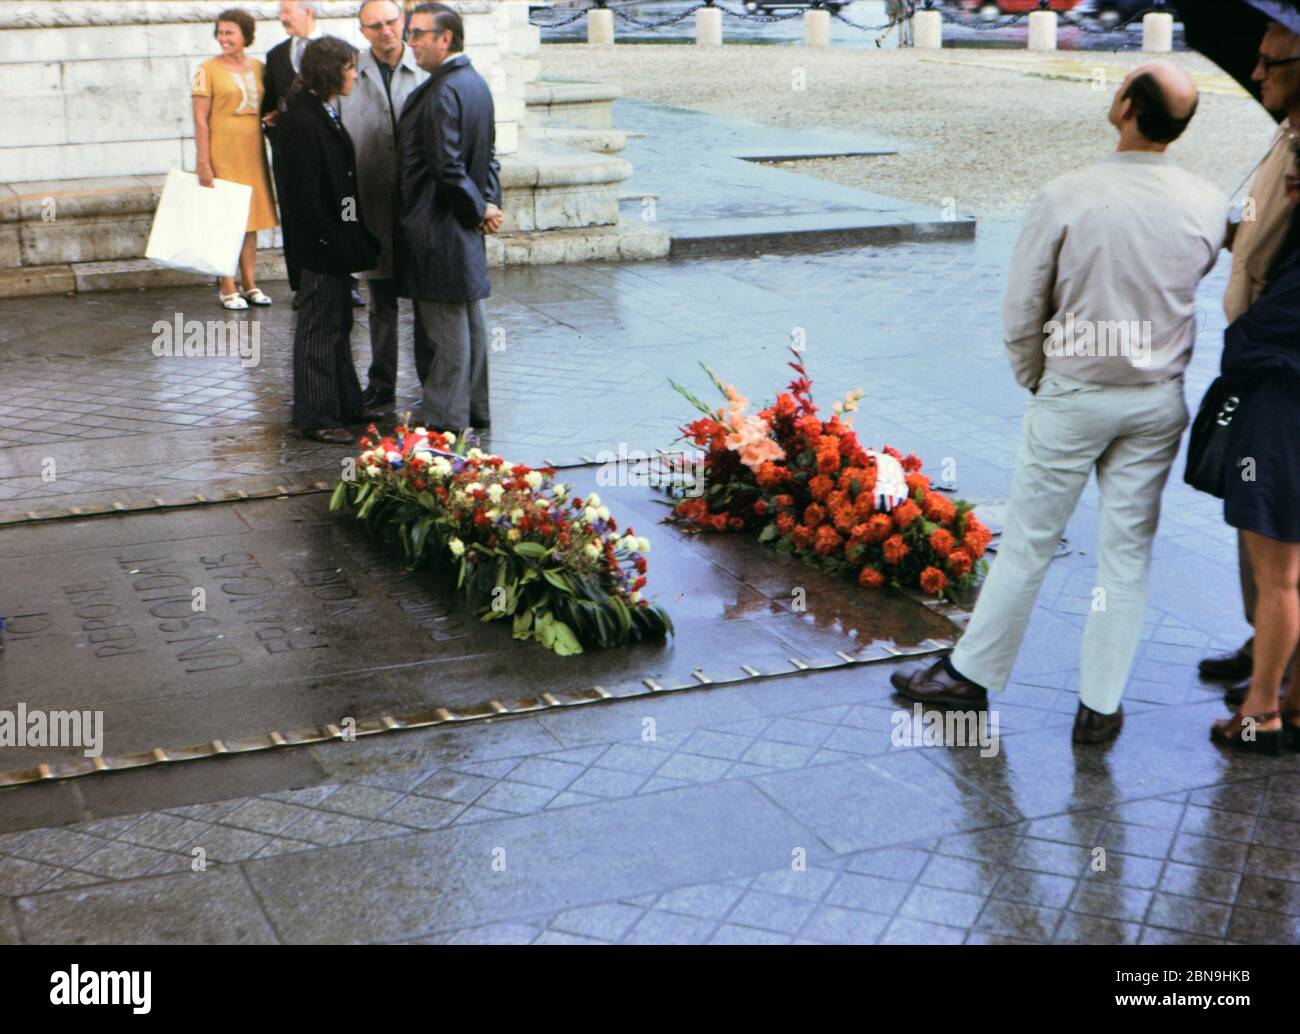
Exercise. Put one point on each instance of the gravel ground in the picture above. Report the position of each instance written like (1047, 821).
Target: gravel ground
(988, 137)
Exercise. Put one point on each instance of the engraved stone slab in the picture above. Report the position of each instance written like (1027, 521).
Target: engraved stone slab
(238, 620)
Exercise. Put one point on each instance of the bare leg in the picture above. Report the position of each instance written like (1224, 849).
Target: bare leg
(1276, 566)
(248, 261)
(226, 285)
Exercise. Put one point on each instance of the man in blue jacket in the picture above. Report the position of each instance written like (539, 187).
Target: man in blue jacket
(448, 199)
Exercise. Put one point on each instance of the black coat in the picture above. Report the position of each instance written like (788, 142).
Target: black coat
(277, 78)
(323, 210)
(446, 175)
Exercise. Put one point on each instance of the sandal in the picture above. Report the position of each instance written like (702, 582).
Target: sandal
(1230, 732)
(256, 297)
(232, 301)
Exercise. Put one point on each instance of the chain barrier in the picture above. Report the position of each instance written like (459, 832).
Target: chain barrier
(835, 13)
(758, 17)
(980, 24)
(559, 22)
(618, 13)
(1088, 26)
(1094, 29)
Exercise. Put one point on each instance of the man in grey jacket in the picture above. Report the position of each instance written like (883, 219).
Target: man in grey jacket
(449, 196)
(1100, 324)
(387, 74)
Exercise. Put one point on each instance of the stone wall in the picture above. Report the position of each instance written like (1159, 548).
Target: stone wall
(95, 89)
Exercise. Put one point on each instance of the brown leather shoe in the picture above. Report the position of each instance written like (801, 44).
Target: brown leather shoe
(332, 436)
(931, 684)
(1094, 727)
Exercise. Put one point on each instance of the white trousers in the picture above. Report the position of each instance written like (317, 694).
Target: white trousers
(1130, 436)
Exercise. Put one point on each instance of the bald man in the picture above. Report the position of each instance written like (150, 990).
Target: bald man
(1099, 325)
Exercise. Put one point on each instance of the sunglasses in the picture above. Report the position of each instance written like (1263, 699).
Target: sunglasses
(392, 23)
(415, 35)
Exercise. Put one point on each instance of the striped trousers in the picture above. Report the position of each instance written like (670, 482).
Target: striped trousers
(326, 392)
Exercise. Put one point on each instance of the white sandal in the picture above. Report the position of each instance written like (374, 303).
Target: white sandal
(232, 301)
(256, 297)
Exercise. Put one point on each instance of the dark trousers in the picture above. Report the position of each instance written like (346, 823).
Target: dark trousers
(326, 392)
(291, 267)
(451, 357)
(382, 378)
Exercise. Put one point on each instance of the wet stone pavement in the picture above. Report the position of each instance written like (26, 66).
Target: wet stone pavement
(801, 805)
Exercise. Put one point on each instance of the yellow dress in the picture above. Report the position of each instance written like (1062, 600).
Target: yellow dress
(235, 124)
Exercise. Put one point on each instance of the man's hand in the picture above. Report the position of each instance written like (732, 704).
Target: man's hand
(270, 119)
(492, 219)
(205, 175)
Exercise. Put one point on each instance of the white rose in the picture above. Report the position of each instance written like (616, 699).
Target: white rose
(516, 514)
(643, 545)
(603, 513)
(456, 546)
(473, 487)
(560, 491)
(593, 499)
(592, 550)
(441, 467)
(534, 479)
(495, 492)
(635, 597)
(513, 535)
(589, 515)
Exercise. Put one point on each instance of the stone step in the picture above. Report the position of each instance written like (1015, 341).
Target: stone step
(601, 141)
(553, 102)
(626, 241)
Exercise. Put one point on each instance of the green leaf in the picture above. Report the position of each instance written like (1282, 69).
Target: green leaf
(531, 550)
(340, 493)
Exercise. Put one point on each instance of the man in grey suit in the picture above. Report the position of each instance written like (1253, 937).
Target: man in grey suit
(449, 197)
(386, 75)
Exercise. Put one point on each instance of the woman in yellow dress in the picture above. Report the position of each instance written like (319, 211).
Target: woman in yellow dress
(227, 97)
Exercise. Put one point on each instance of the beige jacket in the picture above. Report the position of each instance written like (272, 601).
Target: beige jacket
(1103, 279)
(1259, 238)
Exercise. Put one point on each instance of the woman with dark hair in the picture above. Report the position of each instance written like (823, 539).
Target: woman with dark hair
(1261, 364)
(329, 240)
(227, 96)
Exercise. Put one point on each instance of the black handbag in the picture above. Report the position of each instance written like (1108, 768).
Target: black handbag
(1207, 449)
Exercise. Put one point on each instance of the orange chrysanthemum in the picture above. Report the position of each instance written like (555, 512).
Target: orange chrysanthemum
(959, 563)
(813, 515)
(939, 508)
(917, 482)
(820, 487)
(942, 542)
(933, 581)
(905, 513)
(871, 578)
(827, 540)
(895, 549)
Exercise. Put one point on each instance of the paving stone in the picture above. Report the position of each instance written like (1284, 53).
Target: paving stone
(706, 901)
(605, 922)
(732, 934)
(670, 928)
(911, 931)
(497, 933)
(213, 907)
(1189, 915)
(629, 847)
